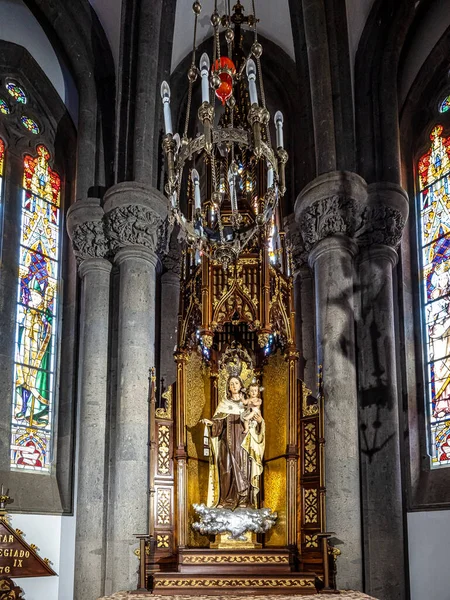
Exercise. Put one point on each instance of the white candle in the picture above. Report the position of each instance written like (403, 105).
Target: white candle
(196, 181)
(269, 177)
(204, 71)
(231, 183)
(278, 119)
(251, 76)
(165, 95)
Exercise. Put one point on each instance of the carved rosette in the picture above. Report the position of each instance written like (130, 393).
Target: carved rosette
(133, 224)
(89, 240)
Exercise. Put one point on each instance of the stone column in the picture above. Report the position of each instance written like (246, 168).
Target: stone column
(170, 300)
(326, 212)
(86, 229)
(379, 234)
(135, 223)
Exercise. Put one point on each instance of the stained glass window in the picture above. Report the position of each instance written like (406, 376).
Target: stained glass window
(4, 107)
(36, 316)
(434, 198)
(444, 106)
(30, 124)
(2, 159)
(2, 167)
(16, 92)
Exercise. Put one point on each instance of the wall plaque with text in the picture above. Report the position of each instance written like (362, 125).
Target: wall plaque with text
(17, 558)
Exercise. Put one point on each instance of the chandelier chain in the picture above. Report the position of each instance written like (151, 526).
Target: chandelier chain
(191, 81)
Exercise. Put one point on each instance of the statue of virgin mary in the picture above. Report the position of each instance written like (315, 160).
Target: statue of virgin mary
(236, 455)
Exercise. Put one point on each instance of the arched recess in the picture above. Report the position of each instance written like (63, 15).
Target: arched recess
(75, 31)
(57, 134)
(427, 488)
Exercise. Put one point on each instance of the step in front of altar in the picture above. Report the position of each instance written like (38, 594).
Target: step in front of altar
(260, 581)
(235, 561)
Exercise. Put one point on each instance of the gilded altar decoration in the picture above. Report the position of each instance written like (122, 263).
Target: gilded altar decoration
(311, 511)
(236, 442)
(227, 582)
(9, 590)
(235, 558)
(163, 450)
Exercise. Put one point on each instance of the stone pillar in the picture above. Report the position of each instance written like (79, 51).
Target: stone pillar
(314, 18)
(379, 234)
(326, 212)
(170, 300)
(136, 224)
(86, 229)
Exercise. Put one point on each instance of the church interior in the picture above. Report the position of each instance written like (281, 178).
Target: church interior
(225, 299)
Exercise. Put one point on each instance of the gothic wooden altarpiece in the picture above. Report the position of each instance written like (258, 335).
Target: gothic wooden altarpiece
(237, 321)
(237, 497)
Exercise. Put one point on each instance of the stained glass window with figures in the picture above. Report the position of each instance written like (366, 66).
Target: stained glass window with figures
(2, 184)
(36, 316)
(434, 199)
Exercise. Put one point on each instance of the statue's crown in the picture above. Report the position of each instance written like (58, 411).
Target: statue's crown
(233, 358)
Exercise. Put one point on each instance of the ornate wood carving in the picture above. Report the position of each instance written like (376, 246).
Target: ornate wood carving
(9, 590)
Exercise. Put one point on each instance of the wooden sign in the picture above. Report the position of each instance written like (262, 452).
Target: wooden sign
(17, 558)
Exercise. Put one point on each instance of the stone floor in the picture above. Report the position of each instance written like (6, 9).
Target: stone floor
(344, 595)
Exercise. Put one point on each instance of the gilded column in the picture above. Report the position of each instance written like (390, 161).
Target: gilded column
(136, 226)
(86, 230)
(379, 234)
(326, 211)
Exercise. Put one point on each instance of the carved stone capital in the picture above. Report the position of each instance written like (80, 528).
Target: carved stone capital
(136, 215)
(89, 240)
(172, 259)
(329, 206)
(384, 216)
(86, 229)
(295, 242)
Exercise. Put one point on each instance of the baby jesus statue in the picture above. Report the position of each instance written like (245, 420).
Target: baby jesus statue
(252, 404)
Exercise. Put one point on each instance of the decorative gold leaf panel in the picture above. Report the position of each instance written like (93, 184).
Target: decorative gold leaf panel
(163, 506)
(310, 459)
(197, 493)
(197, 403)
(275, 403)
(164, 467)
(275, 498)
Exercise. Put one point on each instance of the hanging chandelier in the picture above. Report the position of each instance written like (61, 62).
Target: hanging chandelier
(224, 178)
